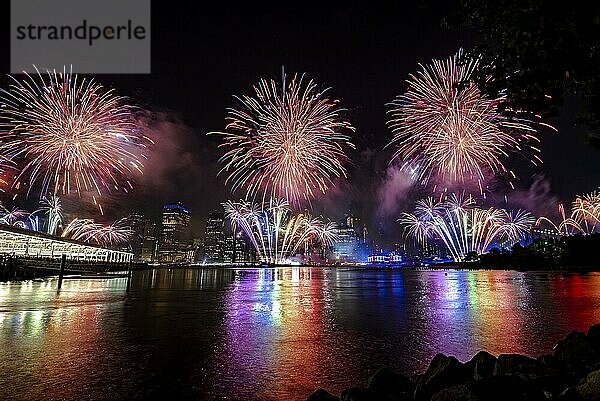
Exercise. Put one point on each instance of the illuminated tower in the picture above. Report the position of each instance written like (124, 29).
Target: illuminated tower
(174, 241)
(214, 238)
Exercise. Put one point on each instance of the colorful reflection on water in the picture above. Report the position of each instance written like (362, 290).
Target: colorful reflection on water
(270, 334)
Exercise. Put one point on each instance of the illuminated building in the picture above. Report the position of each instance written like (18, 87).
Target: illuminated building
(149, 242)
(354, 222)
(174, 242)
(136, 222)
(20, 242)
(346, 245)
(537, 232)
(214, 238)
(237, 249)
(391, 258)
(143, 240)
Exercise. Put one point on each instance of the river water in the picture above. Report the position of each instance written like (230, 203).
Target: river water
(270, 334)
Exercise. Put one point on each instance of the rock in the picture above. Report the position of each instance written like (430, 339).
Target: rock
(391, 384)
(574, 348)
(594, 333)
(546, 359)
(322, 395)
(365, 394)
(482, 365)
(553, 384)
(590, 388)
(569, 394)
(496, 388)
(454, 393)
(356, 394)
(512, 388)
(443, 372)
(512, 364)
(593, 336)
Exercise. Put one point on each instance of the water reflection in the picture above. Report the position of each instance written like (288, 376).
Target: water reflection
(270, 334)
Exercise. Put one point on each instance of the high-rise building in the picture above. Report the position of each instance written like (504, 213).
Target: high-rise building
(136, 222)
(352, 221)
(143, 240)
(237, 249)
(174, 243)
(214, 238)
(345, 248)
(148, 253)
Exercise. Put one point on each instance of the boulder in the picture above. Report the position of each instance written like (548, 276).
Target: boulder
(365, 394)
(570, 394)
(496, 388)
(392, 384)
(513, 364)
(481, 365)
(546, 359)
(443, 372)
(574, 348)
(356, 394)
(589, 389)
(322, 395)
(553, 384)
(512, 388)
(593, 336)
(593, 333)
(454, 393)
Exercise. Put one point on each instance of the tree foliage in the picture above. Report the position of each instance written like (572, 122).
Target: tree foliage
(539, 51)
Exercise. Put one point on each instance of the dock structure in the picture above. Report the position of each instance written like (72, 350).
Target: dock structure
(19, 242)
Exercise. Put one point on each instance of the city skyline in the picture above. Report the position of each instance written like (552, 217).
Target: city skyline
(328, 201)
(186, 166)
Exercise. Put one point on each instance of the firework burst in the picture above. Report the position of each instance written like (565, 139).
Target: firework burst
(584, 217)
(52, 208)
(69, 135)
(87, 230)
(463, 226)
(286, 142)
(445, 127)
(14, 216)
(274, 231)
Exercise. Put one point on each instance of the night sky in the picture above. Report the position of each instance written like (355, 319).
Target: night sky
(202, 56)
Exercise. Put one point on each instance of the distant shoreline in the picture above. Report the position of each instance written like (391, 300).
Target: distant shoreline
(381, 268)
(45, 273)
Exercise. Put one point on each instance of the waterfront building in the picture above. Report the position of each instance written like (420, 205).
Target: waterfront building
(391, 258)
(214, 238)
(143, 240)
(136, 222)
(544, 233)
(174, 242)
(24, 243)
(237, 249)
(345, 248)
(149, 242)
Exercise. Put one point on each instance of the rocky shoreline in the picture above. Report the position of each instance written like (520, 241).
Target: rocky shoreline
(570, 373)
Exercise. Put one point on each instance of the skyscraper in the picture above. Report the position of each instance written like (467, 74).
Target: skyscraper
(346, 245)
(143, 240)
(214, 238)
(237, 249)
(149, 242)
(136, 221)
(174, 242)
